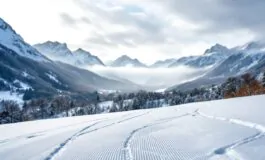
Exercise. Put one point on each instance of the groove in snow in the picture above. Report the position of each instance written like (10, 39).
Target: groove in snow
(223, 150)
(58, 151)
(127, 142)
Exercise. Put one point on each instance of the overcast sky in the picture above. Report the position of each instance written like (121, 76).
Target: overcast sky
(149, 30)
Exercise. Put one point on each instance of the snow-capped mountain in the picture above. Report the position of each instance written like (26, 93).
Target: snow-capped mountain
(126, 61)
(86, 58)
(248, 58)
(163, 64)
(211, 57)
(60, 52)
(10, 39)
(243, 59)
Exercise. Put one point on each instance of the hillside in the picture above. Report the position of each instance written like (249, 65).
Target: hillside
(224, 129)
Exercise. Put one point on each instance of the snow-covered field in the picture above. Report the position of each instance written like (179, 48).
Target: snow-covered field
(225, 129)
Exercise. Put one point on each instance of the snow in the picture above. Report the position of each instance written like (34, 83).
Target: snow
(53, 77)
(223, 129)
(7, 95)
(23, 85)
(104, 91)
(106, 105)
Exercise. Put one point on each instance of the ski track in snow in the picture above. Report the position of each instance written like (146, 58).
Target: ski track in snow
(59, 150)
(40, 133)
(225, 149)
(111, 124)
(127, 143)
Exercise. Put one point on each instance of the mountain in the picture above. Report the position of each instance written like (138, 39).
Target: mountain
(86, 58)
(21, 65)
(126, 61)
(60, 52)
(244, 58)
(248, 58)
(163, 64)
(211, 57)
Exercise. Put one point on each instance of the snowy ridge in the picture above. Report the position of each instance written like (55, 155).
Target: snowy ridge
(60, 52)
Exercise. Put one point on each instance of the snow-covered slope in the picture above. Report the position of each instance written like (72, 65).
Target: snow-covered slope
(60, 52)
(10, 39)
(224, 129)
(126, 61)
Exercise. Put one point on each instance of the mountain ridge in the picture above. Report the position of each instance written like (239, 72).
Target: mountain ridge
(60, 52)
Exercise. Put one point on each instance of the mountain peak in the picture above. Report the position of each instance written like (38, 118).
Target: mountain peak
(124, 57)
(54, 44)
(217, 48)
(81, 51)
(125, 60)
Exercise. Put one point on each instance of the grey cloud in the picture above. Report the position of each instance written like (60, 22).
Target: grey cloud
(86, 20)
(142, 28)
(68, 20)
(222, 15)
(72, 22)
(123, 16)
(216, 18)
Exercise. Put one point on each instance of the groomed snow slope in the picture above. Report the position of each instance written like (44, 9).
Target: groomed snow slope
(225, 129)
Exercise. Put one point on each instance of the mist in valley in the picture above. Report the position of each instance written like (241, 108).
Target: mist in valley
(150, 78)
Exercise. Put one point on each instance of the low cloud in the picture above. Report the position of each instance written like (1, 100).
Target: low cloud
(152, 78)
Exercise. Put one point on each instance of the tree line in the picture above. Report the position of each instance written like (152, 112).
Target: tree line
(74, 105)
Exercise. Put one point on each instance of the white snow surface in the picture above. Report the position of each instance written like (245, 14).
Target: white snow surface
(106, 105)
(223, 129)
(7, 95)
